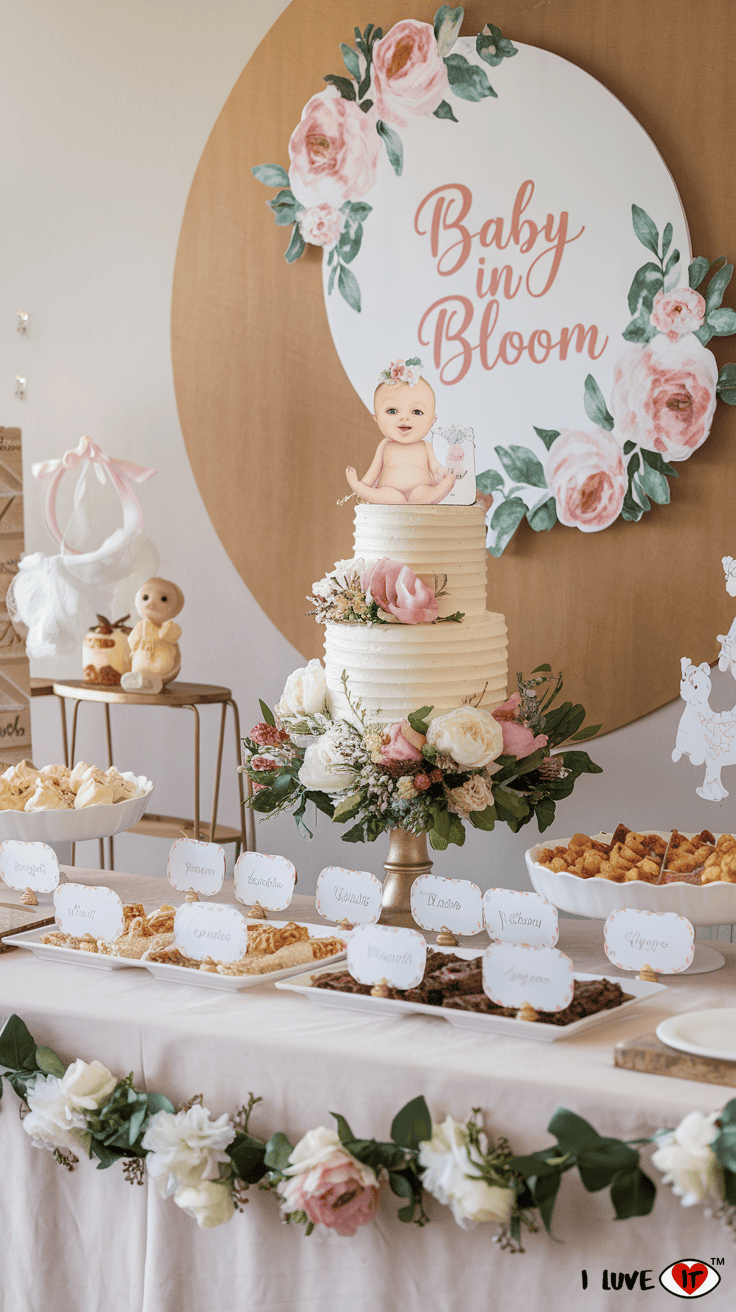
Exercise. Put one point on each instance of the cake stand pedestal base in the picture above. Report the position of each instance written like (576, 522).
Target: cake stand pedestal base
(407, 859)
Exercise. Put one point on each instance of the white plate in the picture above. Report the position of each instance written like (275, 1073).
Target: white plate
(69, 956)
(75, 826)
(704, 1033)
(701, 904)
(235, 983)
(469, 1020)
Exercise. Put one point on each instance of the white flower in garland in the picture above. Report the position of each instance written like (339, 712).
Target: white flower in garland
(451, 1174)
(688, 1160)
(185, 1148)
(88, 1085)
(52, 1121)
(210, 1202)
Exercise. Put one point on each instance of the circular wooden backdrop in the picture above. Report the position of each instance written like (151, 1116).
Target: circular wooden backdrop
(270, 420)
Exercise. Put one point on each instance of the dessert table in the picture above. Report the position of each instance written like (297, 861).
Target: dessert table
(129, 1249)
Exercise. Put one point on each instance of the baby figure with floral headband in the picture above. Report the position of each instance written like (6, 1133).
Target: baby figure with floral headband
(405, 467)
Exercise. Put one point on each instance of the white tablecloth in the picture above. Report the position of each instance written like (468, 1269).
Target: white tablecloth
(90, 1241)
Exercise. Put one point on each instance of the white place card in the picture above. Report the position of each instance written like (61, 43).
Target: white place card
(197, 865)
(208, 929)
(516, 917)
(260, 877)
(81, 910)
(660, 939)
(514, 973)
(439, 903)
(377, 952)
(29, 865)
(353, 895)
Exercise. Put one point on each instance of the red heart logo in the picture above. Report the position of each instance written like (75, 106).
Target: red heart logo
(689, 1278)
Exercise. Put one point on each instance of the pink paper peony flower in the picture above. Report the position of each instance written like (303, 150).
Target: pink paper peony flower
(409, 74)
(664, 396)
(396, 589)
(585, 473)
(678, 312)
(321, 225)
(399, 747)
(332, 1187)
(333, 151)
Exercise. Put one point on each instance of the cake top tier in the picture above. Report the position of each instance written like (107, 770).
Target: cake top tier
(433, 541)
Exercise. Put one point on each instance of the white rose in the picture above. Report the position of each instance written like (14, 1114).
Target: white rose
(52, 1122)
(210, 1203)
(689, 1162)
(471, 736)
(88, 1085)
(322, 1147)
(186, 1148)
(449, 1159)
(339, 577)
(324, 768)
(305, 693)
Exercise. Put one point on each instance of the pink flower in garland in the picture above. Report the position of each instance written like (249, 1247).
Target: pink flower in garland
(399, 746)
(334, 151)
(678, 312)
(397, 590)
(585, 473)
(664, 396)
(331, 1186)
(409, 75)
(321, 225)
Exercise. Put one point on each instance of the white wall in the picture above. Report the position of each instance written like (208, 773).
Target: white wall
(105, 112)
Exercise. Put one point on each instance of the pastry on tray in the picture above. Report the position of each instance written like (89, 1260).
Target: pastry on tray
(646, 857)
(23, 787)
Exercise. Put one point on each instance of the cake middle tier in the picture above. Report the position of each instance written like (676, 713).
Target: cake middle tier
(395, 669)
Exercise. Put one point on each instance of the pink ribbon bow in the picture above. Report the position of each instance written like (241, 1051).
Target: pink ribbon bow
(122, 475)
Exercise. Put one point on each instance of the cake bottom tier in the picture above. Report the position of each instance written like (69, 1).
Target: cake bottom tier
(394, 669)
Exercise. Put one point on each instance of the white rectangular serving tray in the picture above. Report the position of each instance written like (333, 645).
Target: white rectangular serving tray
(468, 1020)
(31, 939)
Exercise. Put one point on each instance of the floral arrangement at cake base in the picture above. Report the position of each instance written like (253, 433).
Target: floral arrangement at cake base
(421, 774)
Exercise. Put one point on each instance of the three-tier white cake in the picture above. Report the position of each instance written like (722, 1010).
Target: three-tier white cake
(396, 668)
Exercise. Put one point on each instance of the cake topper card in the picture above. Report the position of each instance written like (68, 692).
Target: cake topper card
(29, 865)
(261, 877)
(382, 952)
(706, 736)
(208, 929)
(438, 903)
(196, 865)
(455, 450)
(348, 894)
(81, 910)
(518, 917)
(514, 973)
(660, 939)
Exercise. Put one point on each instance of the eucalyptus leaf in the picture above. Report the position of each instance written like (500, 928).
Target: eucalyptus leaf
(394, 147)
(547, 435)
(348, 287)
(521, 465)
(645, 229)
(490, 480)
(595, 405)
(467, 80)
(343, 85)
(697, 271)
(271, 175)
(350, 60)
(444, 110)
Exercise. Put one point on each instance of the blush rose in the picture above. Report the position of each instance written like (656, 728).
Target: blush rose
(518, 740)
(333, 151)
(678, 312)
(400, 745)
(664, 396)
(321, 225)
(586, 475)
(409, 74)
(327, 1183)
(398, 591)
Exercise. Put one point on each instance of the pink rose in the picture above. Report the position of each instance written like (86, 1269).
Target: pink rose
(520, 741)
(333, 151)
(321, 225)
(331, 1186)
(586, 475)
(664, 396)
(678, 312)
(409, 73)
(399, 747)
(507, 710)
(397, 590)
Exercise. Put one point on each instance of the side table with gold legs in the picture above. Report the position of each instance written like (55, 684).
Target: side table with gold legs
(179, 696)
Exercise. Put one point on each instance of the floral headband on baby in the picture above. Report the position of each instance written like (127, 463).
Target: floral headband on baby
(402, 371)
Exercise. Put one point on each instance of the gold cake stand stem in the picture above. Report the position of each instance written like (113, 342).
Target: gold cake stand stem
(407, 859)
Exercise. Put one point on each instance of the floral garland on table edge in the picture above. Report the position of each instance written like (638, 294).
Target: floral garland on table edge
(425, 776)
(334, 1179)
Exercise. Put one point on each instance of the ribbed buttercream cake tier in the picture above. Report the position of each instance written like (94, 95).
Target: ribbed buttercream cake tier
(396, 668)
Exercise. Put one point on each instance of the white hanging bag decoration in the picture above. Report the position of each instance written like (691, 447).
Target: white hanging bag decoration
(51, 597)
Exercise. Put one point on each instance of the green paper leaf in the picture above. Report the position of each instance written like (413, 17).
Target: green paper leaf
(716, 287)
(412, 1125)
(285, 208)
(726, 387)
(645, 229)
(18, 1047)
(655, 485)
(444, 110)
(666, 239)
(547, 435)
(672, 262)
(350, 60)
(296, 247)
(641, 495)
(394, 147)
(343, 84)
(332, 277)
(365, 105)
(349, 242)
(697, 271)
(647, 281)
(447, 24)
(490, 480)
(657, 461)
(704, 334)
(493, 47)
(632, 1194)
(271, 175)
(348, 287)
(641, 329)
(521, 465)
(595, 406)
(467, 80)
(631, 510)
(356, 209)
(723, 321)
(543, 517)
(505, 520)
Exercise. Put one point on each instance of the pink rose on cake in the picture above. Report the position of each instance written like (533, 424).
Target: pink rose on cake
(586, 475)
(333, 151)
(678, 312)
(404, 744)
(518, 740)
(321, 225)
(398, 591)
(409, 74)
(664, 396)
(328, 1184)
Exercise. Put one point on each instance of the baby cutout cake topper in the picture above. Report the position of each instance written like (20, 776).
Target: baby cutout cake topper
(405, 468)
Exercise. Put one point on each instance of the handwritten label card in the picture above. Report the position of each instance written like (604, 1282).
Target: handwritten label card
(516, 917)
(514, 973)
(354, 895)
(660, 939)
(207, 929)
(29, 865)
(196, 865)
(262, 878)
(437, 902)
(81, 910)
(377, 952)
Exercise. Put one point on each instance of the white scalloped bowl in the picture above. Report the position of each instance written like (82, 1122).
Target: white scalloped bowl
(704, 904)
(99, 821)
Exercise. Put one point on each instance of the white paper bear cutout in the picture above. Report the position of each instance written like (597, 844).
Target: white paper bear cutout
(707, 736)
